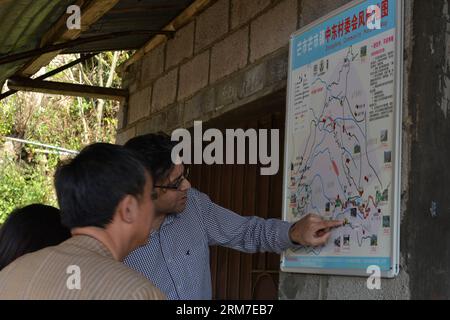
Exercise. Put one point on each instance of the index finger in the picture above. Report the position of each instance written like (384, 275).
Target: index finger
(331, 224)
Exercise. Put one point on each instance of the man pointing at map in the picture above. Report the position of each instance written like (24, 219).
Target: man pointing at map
(176, 257)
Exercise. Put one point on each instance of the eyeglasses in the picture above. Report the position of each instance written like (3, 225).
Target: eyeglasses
(177, 184)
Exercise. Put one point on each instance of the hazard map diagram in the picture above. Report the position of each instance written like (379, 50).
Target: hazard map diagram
(336, 171)
(340, 157)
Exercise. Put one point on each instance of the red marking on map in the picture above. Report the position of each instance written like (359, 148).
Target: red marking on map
(335, 168)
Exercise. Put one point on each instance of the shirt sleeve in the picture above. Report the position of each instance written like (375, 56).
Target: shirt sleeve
(248, 234)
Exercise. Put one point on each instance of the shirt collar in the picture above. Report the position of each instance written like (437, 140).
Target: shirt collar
(170, 219)
(90, 244)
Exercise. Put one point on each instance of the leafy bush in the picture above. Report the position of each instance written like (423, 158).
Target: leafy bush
(22, 184)
(7, 112)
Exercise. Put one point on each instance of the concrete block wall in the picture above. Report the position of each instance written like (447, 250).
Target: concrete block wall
(232, 53)
(236, 52)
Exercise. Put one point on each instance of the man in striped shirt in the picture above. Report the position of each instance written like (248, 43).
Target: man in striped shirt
(105, 198)
(176, 257)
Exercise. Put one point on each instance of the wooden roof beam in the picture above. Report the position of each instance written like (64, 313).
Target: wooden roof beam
(52, 73)
(66, 89)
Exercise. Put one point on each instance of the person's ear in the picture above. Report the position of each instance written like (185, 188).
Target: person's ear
(128, 209)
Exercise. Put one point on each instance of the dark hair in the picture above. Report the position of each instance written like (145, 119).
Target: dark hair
(90, 187)
(29, 229)
(156, 150)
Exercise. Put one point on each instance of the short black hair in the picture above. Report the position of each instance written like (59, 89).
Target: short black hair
(90, 187)
(156, 150)
(29, 229)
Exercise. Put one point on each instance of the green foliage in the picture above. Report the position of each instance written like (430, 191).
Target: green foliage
(22, 184)
(7, 112)
(68, 122)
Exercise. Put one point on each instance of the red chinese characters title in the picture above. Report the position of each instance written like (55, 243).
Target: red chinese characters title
(350, 24)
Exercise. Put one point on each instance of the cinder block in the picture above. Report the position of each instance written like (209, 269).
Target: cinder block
(228, 91)
(277, 68)
(175, 116)
(312, 10)
(136, 76)
(126, 135)
(194, 75)
(254, 80)
(122, 116)
(152, 65)
(299, 286)
(192, 110)
(243, 11)
(229, 55)
(208, 100)
(132, 77)
(165, 90)
(181, 46)
(271, 31)
(212, 24)
(200, 104)
(352, 288)
(139, 105)
(157, 122)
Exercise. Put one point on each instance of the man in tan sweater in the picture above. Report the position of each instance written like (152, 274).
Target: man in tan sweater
(105, 196)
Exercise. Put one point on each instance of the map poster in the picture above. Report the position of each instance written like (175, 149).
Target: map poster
(343, 135)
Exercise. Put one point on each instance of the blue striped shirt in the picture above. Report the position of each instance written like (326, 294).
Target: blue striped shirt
(176, 257)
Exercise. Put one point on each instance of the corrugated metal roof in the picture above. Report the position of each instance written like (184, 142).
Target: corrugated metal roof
(23, 23)
(132, 15)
